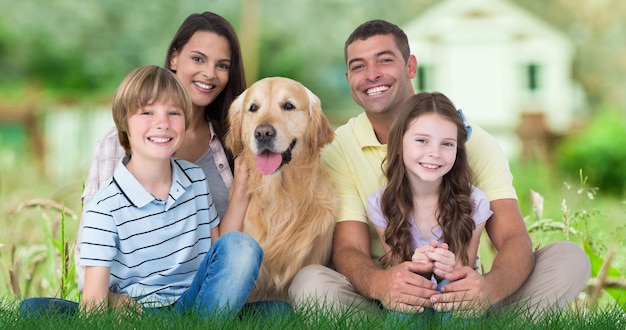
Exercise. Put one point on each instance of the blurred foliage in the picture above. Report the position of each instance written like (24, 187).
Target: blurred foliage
(599, 217)
(599, 151)
(77, 47)
(82, 46)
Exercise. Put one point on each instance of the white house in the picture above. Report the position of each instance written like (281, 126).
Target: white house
(497, 62)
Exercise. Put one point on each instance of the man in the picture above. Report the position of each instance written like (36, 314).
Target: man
(379, 72)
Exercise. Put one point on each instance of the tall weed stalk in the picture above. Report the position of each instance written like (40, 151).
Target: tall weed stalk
(48, 268)
(575, 222)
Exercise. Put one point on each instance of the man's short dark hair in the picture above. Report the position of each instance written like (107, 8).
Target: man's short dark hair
(379, 27)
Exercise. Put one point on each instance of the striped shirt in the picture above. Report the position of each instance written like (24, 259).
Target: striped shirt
(107, 155)
(153, 248)
(109, 152)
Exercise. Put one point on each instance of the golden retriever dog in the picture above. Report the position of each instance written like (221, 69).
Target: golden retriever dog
(278, 127)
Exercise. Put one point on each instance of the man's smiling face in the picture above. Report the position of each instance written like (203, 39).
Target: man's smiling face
(379, 78)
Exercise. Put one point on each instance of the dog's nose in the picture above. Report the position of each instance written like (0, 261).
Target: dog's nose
(264, 133)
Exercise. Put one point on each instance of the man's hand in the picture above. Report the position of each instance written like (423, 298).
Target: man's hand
(468, 293)
(406, 290)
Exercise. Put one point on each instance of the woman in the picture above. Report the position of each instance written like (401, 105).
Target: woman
(206, 57)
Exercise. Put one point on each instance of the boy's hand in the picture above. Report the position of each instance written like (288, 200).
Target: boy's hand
(123, 303)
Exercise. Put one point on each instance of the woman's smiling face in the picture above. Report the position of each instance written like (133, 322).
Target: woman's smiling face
(203, 66)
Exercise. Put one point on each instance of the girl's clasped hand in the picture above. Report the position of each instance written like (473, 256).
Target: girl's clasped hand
(442, 258)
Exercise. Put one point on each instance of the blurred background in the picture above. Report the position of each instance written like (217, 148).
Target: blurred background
(524, 70)
(547, 78)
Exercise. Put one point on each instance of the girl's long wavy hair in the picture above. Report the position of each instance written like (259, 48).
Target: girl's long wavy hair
(217, 111)
(455, 206)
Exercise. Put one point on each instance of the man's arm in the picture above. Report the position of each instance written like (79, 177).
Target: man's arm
(515, 259)
(398, 288)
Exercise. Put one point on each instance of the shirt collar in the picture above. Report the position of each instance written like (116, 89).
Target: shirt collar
(213, 135)
(366, 136)
(137, 194)
(180, 180)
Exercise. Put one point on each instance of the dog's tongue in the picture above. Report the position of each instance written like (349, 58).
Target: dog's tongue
(268, 162)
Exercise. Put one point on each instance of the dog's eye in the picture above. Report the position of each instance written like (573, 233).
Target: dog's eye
(253, 108)
(289, 106)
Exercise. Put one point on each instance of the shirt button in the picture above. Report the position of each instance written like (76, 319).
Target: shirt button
(221, 166)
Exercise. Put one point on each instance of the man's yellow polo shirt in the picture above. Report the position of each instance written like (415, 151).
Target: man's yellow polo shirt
(354, 160)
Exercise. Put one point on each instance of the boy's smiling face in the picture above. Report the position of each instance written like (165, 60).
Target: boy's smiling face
(156, 131)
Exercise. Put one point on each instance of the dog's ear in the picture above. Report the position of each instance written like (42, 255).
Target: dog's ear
(233, 136)
(321, 131)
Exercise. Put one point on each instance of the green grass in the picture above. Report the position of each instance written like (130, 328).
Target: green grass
(608, 317)
(39, 218)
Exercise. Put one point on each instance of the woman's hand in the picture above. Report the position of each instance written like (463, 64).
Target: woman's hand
(240, 183)
(238, 203)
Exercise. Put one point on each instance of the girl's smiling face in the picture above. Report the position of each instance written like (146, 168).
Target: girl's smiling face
(429, 147)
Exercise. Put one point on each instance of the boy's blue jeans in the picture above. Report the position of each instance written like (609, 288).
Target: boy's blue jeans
(225, 276)
(221, 284)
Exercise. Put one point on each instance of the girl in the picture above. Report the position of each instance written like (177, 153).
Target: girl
(429, 212)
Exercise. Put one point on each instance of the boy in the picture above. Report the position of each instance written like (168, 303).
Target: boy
(151, 233)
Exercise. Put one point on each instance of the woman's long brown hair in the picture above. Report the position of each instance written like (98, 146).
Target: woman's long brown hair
(216, 111)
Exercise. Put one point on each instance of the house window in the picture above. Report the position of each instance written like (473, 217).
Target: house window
(422, 80)
(532, 77)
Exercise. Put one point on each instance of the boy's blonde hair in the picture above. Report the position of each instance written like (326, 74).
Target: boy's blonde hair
(144, 86)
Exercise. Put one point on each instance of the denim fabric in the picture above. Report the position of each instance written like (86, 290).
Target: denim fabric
(220, 287)
(225, 277)
(42, 305)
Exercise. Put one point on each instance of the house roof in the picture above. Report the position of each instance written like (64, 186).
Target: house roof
(483, 21)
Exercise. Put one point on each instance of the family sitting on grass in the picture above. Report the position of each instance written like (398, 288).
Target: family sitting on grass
(416, 185)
